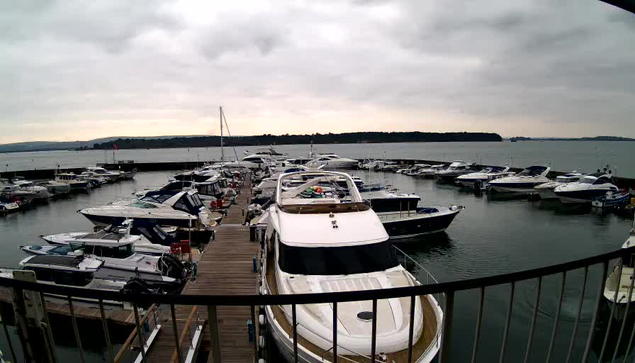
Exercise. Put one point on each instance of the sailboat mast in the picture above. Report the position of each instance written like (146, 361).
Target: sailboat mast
(222, 151)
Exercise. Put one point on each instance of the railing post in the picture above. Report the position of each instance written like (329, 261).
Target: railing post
(294, 321)
(142, 344)
(533, 321)
(507, 322)
(212, 320)
(334, 331)
(175, 329)
(577, 318)
(373, 334)
(447, 327)
(556, 324)
(104, 323)
(628, 304)
(617, 290)
(479, 319)
(411, 326)
(76, 330)
(6, 333)
(596, 309)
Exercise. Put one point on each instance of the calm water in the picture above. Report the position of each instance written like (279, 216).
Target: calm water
(562, 155)
(488, 237)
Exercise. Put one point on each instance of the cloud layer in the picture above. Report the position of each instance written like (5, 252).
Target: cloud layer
(78, 70)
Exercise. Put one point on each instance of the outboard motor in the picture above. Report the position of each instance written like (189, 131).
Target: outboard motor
(170, 266)
(138, 286)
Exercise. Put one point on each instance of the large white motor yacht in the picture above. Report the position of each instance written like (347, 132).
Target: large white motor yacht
(479, 179)
(320, 243)
(523, 182)
(546, 190)
(332, 161)
(619, 287)
(587, 189)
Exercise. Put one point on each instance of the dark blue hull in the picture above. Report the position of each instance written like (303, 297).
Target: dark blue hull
(421, 225)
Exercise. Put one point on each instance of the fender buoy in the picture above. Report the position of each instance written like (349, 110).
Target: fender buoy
(175, 248)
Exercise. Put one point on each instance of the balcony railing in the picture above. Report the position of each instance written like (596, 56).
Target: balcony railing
(623, 333)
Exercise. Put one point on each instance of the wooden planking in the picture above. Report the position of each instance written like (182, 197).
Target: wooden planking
(225, 267)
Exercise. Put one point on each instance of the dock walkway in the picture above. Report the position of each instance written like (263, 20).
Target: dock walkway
(225, 267)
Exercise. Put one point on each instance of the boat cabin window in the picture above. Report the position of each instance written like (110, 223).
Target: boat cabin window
(209, 189)
(61, 277)
(122, 251)
(602, 180)
(532, 171)
(189, 203)
(158, 198)
(253, 159)
(337, 260)
(141, 204)
(177, 185)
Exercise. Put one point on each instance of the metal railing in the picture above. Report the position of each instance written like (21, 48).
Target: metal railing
(623, 333)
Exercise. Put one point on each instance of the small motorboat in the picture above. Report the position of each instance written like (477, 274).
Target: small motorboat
(612, 200)
(75, 183)
(121, 262)
(523, 182)
(480, 179)
(74, 271)
(546, 190)
(148, 238)
(8, 207)
(587, 189)
(421, 221)
(56, 188)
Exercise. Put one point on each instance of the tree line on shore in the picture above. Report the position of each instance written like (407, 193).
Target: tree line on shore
(268, 139)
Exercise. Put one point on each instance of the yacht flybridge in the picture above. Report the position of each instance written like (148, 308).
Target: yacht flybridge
(332, 161)
(318, 242)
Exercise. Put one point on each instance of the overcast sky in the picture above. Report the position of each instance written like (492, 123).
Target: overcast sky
(74, 70)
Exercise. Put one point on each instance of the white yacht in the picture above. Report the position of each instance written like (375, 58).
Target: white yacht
(41, 193)
(416, 169)
(523, 182)
(587, 189)
(546, 190)
(479, 179)
(14, 193)
(74, 181)
(56, 188)
(322, 244)
(164, 207)
(254, 161)
(454, 170)
(72, 271)
(151, 240)
(332, 161)
(112, 175)
(431, 171)
(121, 262)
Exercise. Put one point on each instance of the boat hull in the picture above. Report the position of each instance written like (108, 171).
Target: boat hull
(401, 225)
(580, 197)
(522, 188)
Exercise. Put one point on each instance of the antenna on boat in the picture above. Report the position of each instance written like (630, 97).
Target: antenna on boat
(222, 151)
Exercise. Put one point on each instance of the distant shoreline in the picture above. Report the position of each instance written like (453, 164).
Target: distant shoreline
(595, 138)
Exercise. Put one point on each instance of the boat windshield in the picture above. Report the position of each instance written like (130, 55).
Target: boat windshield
(337, 260)
(587, 180)
(532, 171)
(141, 204)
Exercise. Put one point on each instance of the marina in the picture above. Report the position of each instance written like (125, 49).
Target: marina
(450, 252)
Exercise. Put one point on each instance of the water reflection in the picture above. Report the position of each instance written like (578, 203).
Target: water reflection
(612, 326)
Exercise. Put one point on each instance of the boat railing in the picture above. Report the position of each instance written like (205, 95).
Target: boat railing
(586, 334)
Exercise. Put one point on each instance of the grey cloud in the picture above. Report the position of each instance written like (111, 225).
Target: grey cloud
(564, 62)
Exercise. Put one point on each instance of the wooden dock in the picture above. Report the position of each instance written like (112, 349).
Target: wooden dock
(225, 267)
